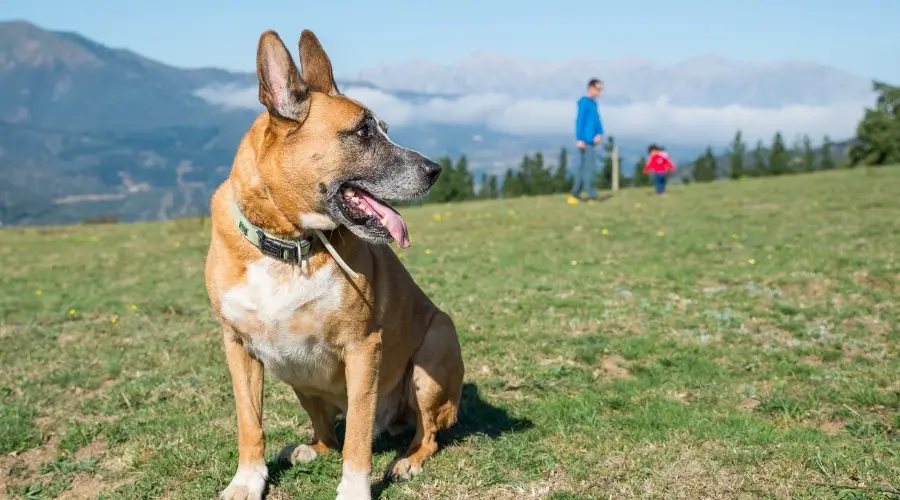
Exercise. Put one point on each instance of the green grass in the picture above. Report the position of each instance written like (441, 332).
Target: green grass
(730, 340)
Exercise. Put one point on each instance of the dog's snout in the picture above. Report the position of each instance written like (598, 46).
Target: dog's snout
(431, 170)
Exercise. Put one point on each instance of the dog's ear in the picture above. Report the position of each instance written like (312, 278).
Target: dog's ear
(317, 72)
(281, 90)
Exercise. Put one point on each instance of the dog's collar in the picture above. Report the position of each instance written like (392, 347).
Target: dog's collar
(287, 250)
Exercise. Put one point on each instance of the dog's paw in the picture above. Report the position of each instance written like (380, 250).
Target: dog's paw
(248, 484)
(297, 454)
(403, 468)
(354, 485)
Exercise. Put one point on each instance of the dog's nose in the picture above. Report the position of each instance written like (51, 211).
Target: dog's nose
(431, 170)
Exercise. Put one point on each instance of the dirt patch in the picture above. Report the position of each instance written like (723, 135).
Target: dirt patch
(811, 360)
(832, 427)
(748, 404)
(613, 367)
(93, 450)
(83, 487)
(25, 465)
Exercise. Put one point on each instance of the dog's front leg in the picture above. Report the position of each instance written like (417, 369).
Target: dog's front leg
(362, 361)
(247, 382)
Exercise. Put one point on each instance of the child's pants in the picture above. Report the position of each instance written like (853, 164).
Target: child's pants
(659, 182)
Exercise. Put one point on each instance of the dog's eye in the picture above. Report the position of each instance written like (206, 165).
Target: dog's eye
(364, 131)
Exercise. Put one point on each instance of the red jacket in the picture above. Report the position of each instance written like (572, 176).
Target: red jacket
(659, 163)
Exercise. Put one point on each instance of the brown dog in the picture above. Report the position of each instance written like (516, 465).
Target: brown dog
(370, 346)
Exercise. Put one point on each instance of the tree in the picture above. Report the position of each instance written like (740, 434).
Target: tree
(512, 185)
(444, 187)
(736, 157)
(561, 181)
(878, 133)
(826, 158)
(604, 180)
(759, 167)
(463, 183)
(705, 167)
(640, 178)
(808, 158)
(489, 187)
(778, 156)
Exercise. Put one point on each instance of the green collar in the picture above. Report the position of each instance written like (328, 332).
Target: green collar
(288, 250)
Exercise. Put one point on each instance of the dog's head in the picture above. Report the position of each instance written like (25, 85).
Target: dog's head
(326, 160)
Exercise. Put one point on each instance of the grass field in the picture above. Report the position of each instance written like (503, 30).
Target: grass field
(730, 340)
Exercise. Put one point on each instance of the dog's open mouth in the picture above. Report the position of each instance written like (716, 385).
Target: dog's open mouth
(366, 210)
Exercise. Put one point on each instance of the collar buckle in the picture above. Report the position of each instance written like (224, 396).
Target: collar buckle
(292, 251)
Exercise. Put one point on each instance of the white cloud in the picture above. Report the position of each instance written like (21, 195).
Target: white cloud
(659, 121)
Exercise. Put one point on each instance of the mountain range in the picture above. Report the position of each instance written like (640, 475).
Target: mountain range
(87, 130)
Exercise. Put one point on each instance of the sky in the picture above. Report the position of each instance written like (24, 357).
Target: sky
(363, 33)
(358, 34)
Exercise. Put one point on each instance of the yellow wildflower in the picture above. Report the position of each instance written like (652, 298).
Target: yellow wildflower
(114, 319)
(574, 262)
(427, 251)
(752, 261)
(72, 312)
(734, 236)
(660, 234)
(38, 292)
(436, 217)
(604, 232)
(177, 244)
(132, 307)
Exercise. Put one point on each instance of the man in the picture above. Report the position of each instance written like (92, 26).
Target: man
(588, 134)
(659, 164)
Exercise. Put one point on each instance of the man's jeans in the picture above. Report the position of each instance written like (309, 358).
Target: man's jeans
(587, 169)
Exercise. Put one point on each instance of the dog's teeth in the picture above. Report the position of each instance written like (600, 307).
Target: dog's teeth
(349, 192)
(383, 221)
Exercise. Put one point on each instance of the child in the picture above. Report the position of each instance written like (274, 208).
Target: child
(659, 164)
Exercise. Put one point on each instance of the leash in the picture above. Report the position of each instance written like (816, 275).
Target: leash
(343, 265)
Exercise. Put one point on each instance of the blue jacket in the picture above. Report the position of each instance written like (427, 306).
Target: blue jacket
(587, 123)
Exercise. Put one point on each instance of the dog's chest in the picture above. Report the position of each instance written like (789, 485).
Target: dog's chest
(280, 312)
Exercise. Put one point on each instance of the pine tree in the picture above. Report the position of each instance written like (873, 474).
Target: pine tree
(604, 180)
(444, 187)
(511, 185)
(826, 158)
(640, 178)
(488, 188)
(809, 155)
(561, 181)
(736, 157)
(759, 167)
(705, 167)
(778, 156)
(464, 185)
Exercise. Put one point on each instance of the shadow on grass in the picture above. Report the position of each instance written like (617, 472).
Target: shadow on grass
(476, 418)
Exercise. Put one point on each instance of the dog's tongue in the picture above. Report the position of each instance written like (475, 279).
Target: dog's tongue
(390, 217)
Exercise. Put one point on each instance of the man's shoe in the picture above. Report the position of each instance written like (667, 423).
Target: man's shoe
(572, 200)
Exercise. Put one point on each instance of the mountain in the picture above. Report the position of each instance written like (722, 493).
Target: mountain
(706, 81)
(88, 130)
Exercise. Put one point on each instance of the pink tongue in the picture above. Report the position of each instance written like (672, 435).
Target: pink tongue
(393, 221)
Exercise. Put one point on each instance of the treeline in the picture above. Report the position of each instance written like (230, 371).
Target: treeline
(762, 161)
(877, 142)
(534, 176)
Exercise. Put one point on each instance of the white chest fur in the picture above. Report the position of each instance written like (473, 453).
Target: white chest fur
(289, 342)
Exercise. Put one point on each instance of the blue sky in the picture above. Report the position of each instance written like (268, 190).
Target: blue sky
(362, 33)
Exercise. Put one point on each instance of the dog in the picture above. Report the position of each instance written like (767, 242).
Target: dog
(305, 286)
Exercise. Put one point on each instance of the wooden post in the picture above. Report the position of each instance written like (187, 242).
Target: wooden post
(615, 167)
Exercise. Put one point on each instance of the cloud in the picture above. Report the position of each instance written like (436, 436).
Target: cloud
(658, 120)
